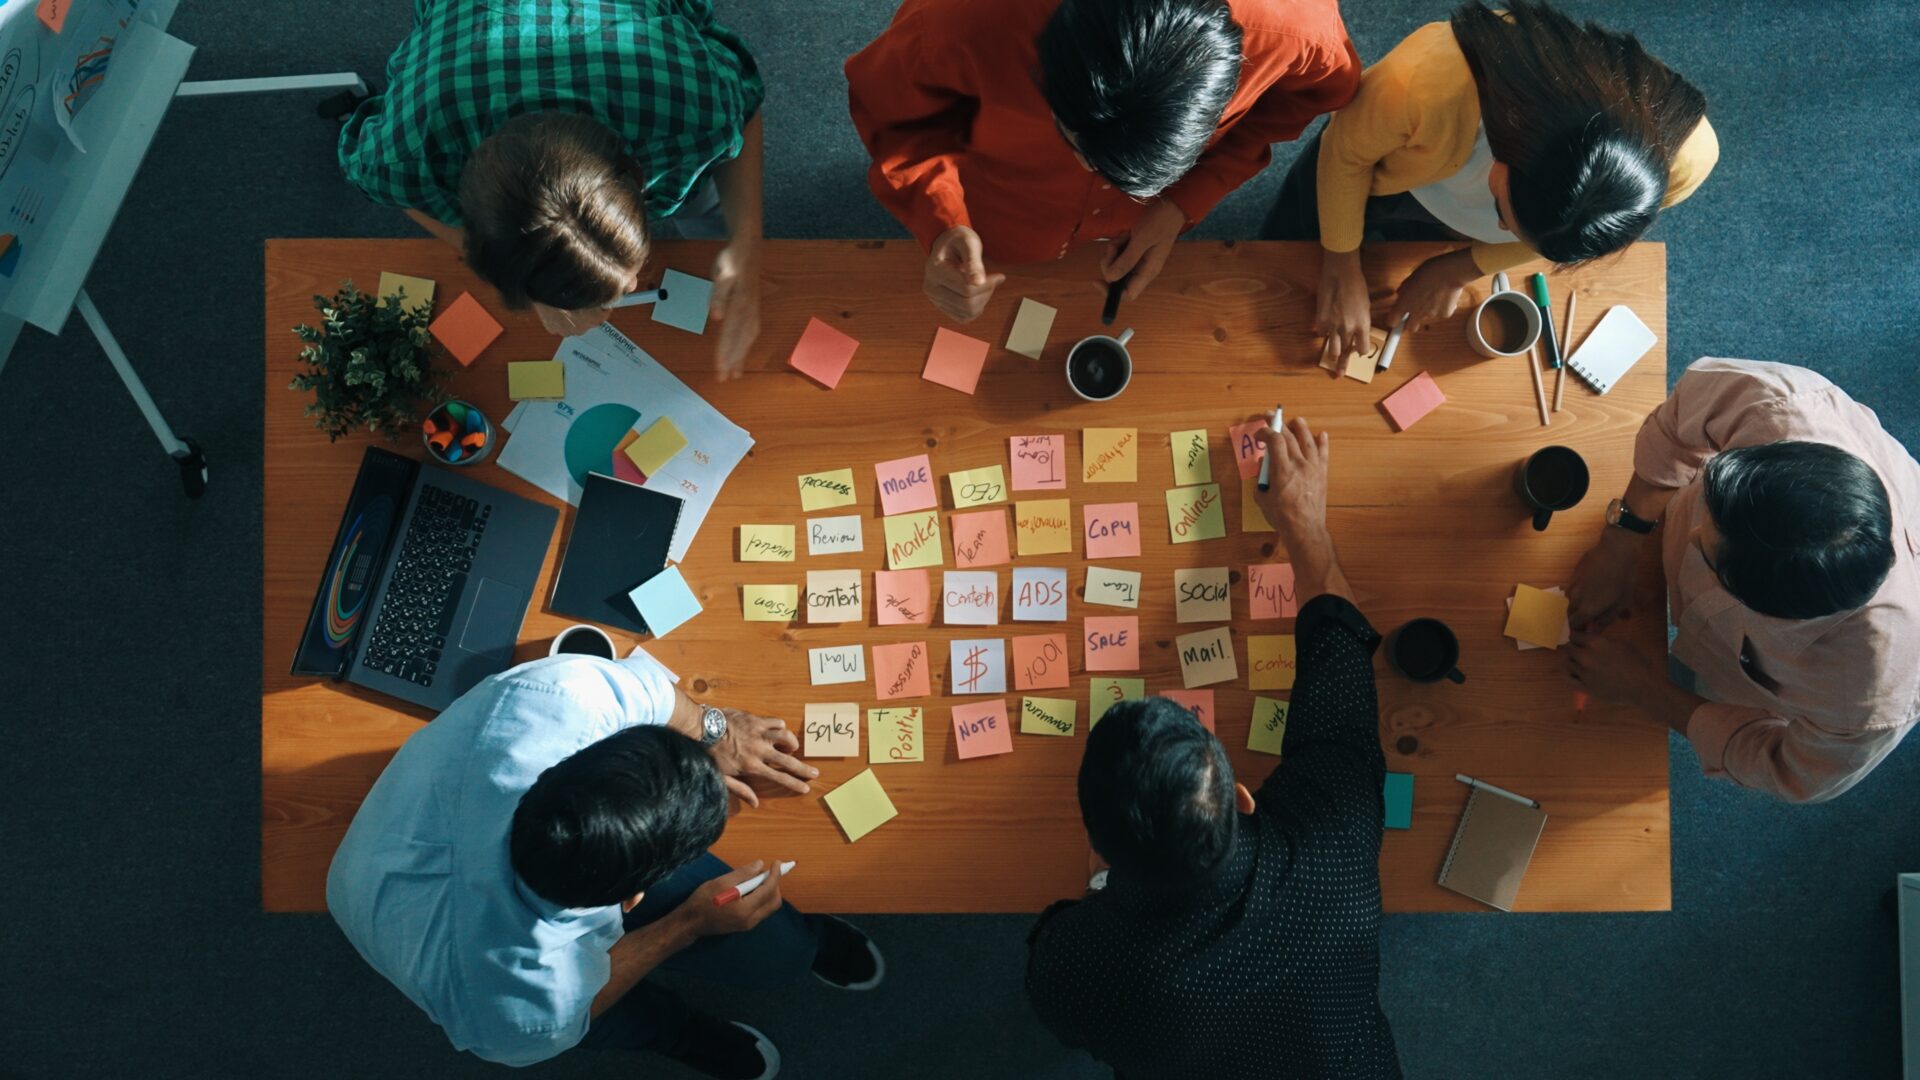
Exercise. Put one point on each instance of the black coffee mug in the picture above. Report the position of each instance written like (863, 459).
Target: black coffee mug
(1425, 650)
(1553, 478)
(582, 640)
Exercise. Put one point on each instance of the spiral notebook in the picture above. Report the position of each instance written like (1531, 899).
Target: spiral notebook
(1618, 340)
(1491, 848)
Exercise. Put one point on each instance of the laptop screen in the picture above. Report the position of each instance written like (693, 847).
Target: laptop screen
(354, 563)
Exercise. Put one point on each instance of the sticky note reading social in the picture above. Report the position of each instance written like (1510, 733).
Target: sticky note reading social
(1418, 397)
(416, 293)
(1113, 588)
(1039, 462)
(664, 601)
(833, 596)
(1192, 462)
(1105, 691)
(902, 671)
(766, 543)
(1110, 455)
(1269, 727)
(860, 805)
(656, 446)
(1270, 591)
(1252, 518)
(837, 664)
(970, 598)
(1206, 657)
(895, 735)
(913, 540)
(981, 728)
(826, 490)
(1200, 595)
(770, 603)
(1538, 617)
(465, 329)
(822, 354)
(1112, 530)
(980, 539)
(902, 597)
(1030, 327)
(831, 730)
(1112, 643)
(834, 535)
(1197, 702)
(1193, 513)
(977, 666)
(955, 360)
(1247, 449)
(685, 305)
(536, 380)
(1396, 797)
(1044, 527)
(1039, 594)
(906, 484)
(1040, 662)
(1270, 662)
(1047, 716)
(978, 487)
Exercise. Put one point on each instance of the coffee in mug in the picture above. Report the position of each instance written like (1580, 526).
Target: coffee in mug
(1425, 650)
(1099, 367)
(1552, 478)
(1507, 323)
(582, 640)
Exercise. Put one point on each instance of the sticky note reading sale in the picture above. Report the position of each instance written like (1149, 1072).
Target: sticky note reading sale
(895, 735)
(980, 539)
(902, 597)
(1044, 527)
(826, 490)
(834, 535)
(1039, 594)
(837, 664)
(1113, 588)
(831, 730)
(1047, 716)
(978, 666)
(766, 543)
(1112, 643)
(1192, 462)
(770, 603)
(833, 596)
(981, 729)
(913, 540)
(1193, 513)
(1270, 591)
(1039, 462)
(1197, 702)
(978, 487)
(860, 805)
(1269, 727)
(1270, 661)
(901, 671)
(1206, 657)
(970, 598)
(1200, 595)
(1040, 662)
(1112, 530)
(1247, 450)
(1104, 692)
(1110, 455)
(906, 484)
(1538, 617)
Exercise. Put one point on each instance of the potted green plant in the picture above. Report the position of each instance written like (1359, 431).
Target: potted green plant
(368, 365)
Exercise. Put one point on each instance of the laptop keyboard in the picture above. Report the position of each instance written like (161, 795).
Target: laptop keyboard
(423, 593)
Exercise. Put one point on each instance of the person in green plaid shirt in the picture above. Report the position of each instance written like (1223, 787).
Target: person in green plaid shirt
(541, 137)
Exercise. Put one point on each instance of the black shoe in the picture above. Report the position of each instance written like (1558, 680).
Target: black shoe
(726, 1050)
(848, 959)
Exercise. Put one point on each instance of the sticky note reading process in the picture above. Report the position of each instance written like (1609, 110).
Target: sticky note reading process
(1200, 595)
(766, 543)
(1039, 462)
(906, 484)
(837, 664)
(826, 490)
(1396, 793)
(656, 446)
(822, 353)
(536, 380)
(1420, 396)
(1270, 591)
(833, 596)
(902, 597)
(1040, 662)
(1252, 518)
(1111, 643)
(465, 329)
(1110, 455)
(1047, 716)
(1192, 462)
(1538, 617)
(981, 729)
(770, 603)
(831, 730)
(1269, 727)
(1193, 513)
(1197, 702)
(416, 293)
(1112, 530)
(955, 360)
(980, 539)
(902, 671)
(978, 487)
(664, 601)
(1030, 328)
(685, 305)
(834, 535)
(978, 666)
(895, 735)
(1044, 527)
(1104, 692)
(1270, 662)
(1247, 449)
(1206, 657)
(913, 540)
(1113, 588)
(860, 805)
(970, 598)
(1039, 594)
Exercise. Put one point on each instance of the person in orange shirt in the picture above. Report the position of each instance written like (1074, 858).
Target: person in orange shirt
(1013, 130)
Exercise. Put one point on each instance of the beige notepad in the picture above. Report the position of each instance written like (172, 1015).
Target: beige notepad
(1491, 848)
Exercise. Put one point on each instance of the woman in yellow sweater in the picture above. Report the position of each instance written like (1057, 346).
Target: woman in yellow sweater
(1521, 131)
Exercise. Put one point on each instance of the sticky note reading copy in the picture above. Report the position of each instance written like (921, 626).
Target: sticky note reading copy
(1112, 530)
(1270, 591)
(536, 380)
(902, 597)
(1193, 513)
(766, 543)
(955, 360)
(826, 490)
(981, 728)
(978, 487)
(834, 535)
(686, 303)
(1039, 462)
(980, 539)
(913, 540)
(1200, 595)
(1538, 617)
(822, 354)
(1040, 662)
(837, 664)
(1197, 702)
(1206, 657)
(970, 598)
(656, 446)
(1269, 727)
(1270, 660)
(831, 730)
(1047, 716)
(1039, 594)
(906, 484)
(1104, 692)
(895, 735)
(664, 601)
(860, 805)
(902, 671)
(1110, 455)
(1030, 327)
(833, 596)
(1044, 527)
(1192, 462)
(1113, 588)
(1112, 643)
(770, 603)
(978, 666)
(465, 329)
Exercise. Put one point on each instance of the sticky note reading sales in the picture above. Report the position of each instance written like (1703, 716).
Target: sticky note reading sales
(1030, 327)
(826, 490)
(1040, 662)
(981, 728)
(978, 487)
(1270, 591)
(970, 598)
(906, 484)
(895, 735)
(656, 446)
(1039, 462)
(1252, 518)
(980, 539)
(831, 730)
(664, 601)
(1113, 588)
(822, 354)
(1200, 595)
(1112, 530)
(955, 360)
(1193, 513)
(1206, 657)
(1192, 462)
(1538, 617)
(860, 805)
(833, 596)
(416, 293)
(465, 329)
(1247, 450)
(902, 597)
(1111, 643)
(1047, 716)
(1418, 397)
(770, 603)
(1104, 692)
(1044, 527)
(913, 540)
(977, 666)
(536, 380)
(1039, 594)
(902, 671)
(686, 303)
(1396, 795)
(834, 535)
(1197, 702)
(837, 664)
(766, 543)
(1110, 455)
(1269, 727)
(1270, 662)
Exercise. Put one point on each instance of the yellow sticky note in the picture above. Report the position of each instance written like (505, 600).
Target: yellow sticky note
(770, 603)
(418, 291)
(1193, 513)
(895, 735)
(1206, 657)
(913, 540)
(766, 543)
(825, 490)
(1104, 693)
(1252, 518)
(1538, 617)
(1269, 727)
(1270, 662)
(1110, 455)
(978, 487)
(1043, 527)
(536, 380)
(657, 445)
(1192, 462)
(860, 805)
(1047, 716)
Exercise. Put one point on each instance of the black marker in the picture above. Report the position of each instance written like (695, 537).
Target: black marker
(1112, 310)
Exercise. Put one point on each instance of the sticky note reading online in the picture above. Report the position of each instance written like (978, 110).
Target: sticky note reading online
(1193, 513)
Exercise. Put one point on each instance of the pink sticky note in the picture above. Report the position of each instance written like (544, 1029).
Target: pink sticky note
(1039, 662)
(980, 539)
(907, 484)
(465, 329)
(902, 598)
(1420, 396)
(1112, 530)
(1198, 702)
(53, 13)
(1247, 450)
(901, 671)
(981, 728)
(955, 360)
(1270, 592)
(822, 353)
(1039, 462)
(1112, 643)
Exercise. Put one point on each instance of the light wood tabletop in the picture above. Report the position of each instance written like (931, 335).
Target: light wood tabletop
(1426, 521)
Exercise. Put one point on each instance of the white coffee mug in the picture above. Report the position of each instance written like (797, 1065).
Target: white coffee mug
(1119, 345)
(1521, 303)
(589, 631)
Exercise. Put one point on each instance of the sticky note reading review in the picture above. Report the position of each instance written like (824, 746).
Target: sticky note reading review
(1112, 530)
(1039, 594)
(1538, 617)
(770, 603)
(902, 597)
(1206, 657)
(1193, 513)
(860, 805)
(831, 730)
(1197, 702)
(1200, 595)
(1270, 591)
(895, 735)
(1270, 662)
(980, 539)
(978, 666)
(906, 484)
(1192, 461)
(1039, 462)
(826, 490)
(1113, 588)
(1110, 455)
(970, 598)
(834, 535)
(1047, 716)
(1044, 527)
(1040, 662)
(981, 729)
(766, 543)
(978, 487)
(837, 664)
(1104, 692)
(1269, 727)
(901, 671)
(913, 540)
(833, 596)
(1112, 643)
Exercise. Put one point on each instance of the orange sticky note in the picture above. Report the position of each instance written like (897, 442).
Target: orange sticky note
(1043, 527)
(1420, 396)
(981, 729)
(1110, 455)
(1270, 591)
(902, 597)
(53, 13)
(822, 353)
(980, 539)
(901, 671)
(1197, 702)
(1039, 662)
(1247, 450)
(955, 360)
(1112, 643)
(1112, 530)
(465, 329)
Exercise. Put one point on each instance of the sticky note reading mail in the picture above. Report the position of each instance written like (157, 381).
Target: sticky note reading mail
(980, 539)
(1030, 327)
(1538, 617)
(860, 805)
(686, 303)
(1270, 591)
(955, 360)
(1113, 588)
(913, 540)
(1044, 527)
(906, 484)
(1269, 728)
(1193, 513)
(902, 671)
(1206, 657)
(770, 603)
(831, 730)
(1110, 455)
(656, 446)
(1270, 662)
(902, 598)
(822, 354)
(766, 543)
(981, 728)
(977, 666)
(895, 735)
(978, 487)
(465, 329)
(837, 664)
(1039, 462)
(834, 535)
(970, 598)
(1039, 594)
(1112, 530)
(1047, 716)
(1200, 595)
(833, 596)
(664, 601)
(1111, 643)
(1192, 462)
(536, 380)
(1040, 662)
(1104, 692)
(826, 490)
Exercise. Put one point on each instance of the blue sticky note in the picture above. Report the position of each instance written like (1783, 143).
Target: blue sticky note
(665, 601)
(685, 307)
(1398, 793)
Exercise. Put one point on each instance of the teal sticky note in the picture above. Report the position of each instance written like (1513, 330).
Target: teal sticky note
(1398, 795)
(665, 601)
(685, 307)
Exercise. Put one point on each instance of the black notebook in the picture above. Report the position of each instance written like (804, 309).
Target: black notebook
(620, 537)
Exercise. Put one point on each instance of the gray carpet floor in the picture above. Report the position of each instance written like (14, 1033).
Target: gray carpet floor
(129, 920)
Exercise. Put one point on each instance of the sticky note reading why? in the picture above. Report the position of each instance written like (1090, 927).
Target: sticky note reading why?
(1113, 588)
(1271, 662)
(981, 728)
(913, 540)
(1110, 455)
(1044, 527)
(1047, 716)
(901, 671)
(766, 543)
(978, 487)
(1039, 462)
(833, 596)
(770, 603)
(1200, 595)
(1030, 327)
(1112, 643)
(895, 735)
(1206, 657)
(1039, 594)
(860, 805)
(906, 484)
(1192, 462)
(656, 446)
(664, 601)
(826, 490)
(1104, 692)
(902, 597)
(1269, 727)
(1270, 591)
(978, 666)
(832, 730)
(1193, 513)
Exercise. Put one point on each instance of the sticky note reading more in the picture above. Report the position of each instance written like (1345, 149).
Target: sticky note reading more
(766, 543)
(833, 596)
(664, 601)
(1030, 327)
(656, 446)
(770, 603)
(1047, 716)
(1112, 643)
(1193, 513)
(978, 666)
(826, 490)
(902, 671)
(1044, 527)
(860, 805)
(837, 664)
(913, 540)
(1104, 692)
(970, 598)
(1192, 461)
(1039, 594)
(1200, 595)
(955, 360)
(822, 353)
(1112, 530)
(536, 380)
(1270, 591)
(1110, 455)
(1270, 662)
(980, 539)
(978, 487)
(906, 484)
(895, 735)
(465, 329)
(1269, 727)
(1206, 657)
(902, 597)
(834, 535)
(685, 305)
(1039, 462)
(831, 730)
(1538, 617)
(1040, 662)
(1113, 588)
(981, 729)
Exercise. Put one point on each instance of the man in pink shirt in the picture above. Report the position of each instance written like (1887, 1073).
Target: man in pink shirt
(1790, 538)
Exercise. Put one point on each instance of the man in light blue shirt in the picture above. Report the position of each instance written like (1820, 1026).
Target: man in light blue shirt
(533, 853)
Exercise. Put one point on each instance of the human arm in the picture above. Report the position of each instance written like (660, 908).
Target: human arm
(644, 948)
(1355, 141)
(754, 747)
(1602, 586)
(452, 234)
(736, 271)
(914, 108)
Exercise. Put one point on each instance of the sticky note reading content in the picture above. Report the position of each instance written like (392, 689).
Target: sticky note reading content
(1192, 462)
(981, 728)
(831, 730)
(686, 303)
(901, 671)
(1113, 588)
(766, 543)
(465, 329)
(822, 354)
(1040, 662)
(895, 735)
(1269, 727)
(770, 603)
(826, 490)
(1197, 702)
(1039, 462)
(1030, 327)
(834, 535)
(955, 360)
(978, 487)
(980, 539)
(656, 446)
(913, 540)
(837, 664)
(1039, 594)
(1047, 716)
(1110, 455)
(978, 666)
(1538, 617)
(906, 484)
(1270, 591)
(1200, 595)
(664, 601)
(1112, 530)
(902, 597)
(1193, 513)
(1104, 692)
(1044, 527)
(860, 805)
(1206, 657)
(1270, 662)
(970, 598)
(1112, 643)
(833, 596)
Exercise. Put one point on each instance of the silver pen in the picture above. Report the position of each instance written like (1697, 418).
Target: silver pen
(636, 299)
(1482, 785)
(1393, 342)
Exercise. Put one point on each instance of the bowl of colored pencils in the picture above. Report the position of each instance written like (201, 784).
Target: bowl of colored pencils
(457, 433)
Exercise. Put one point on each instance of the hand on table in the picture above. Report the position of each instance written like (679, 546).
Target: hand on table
(565, 323)
(735, 305)
(1432, 292)
(956, 278)
(1143, 252)
(1296, 497)
(1602, 585)
(1612, 670)
(1344, 312)
(760, 747)
(705, 918)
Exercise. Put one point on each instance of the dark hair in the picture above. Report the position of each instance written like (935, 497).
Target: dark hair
(554, 212)
(1140, 84)
(1156, 792)
(1806, 529)
(1586, 121)
(616, 817)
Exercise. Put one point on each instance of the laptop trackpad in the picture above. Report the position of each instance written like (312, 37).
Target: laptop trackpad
(494, 620)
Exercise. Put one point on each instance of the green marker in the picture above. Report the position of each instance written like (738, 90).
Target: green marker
(1546, 320)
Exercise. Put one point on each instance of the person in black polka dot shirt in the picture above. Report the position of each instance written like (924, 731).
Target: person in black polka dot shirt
(1233, 936)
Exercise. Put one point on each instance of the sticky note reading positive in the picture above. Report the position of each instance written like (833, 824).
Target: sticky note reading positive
(977, 666)
(1270, 662)
(831, 730)
(536, 380)
(1039, 462)
(685, 305)
(1269, 728)
(1030, 327)
(978, 487)
(1206, 657)
(895, 735)
(955, 360)
(822, 354)
(1047, 716)
(1192, 462)
(902, 597)
(981, 729)
(860, 805)
(902, 671)
(656, 446)
(906, 484)
(1200, 595)
(1112, 530)
(1044, 527)
(1110, 455)
(1104, 692)
(1538, 617)
(913, 540)
(1197, 702)
(1039, 594)
(664, 601)
(1040, 662)
(770, 603)
(1270, 591)
(416, 293)
(1193, 513)
(465, 329)
(1113, 588)
(1112, 643)
(766, 543)
(826, 490)
(980, 539)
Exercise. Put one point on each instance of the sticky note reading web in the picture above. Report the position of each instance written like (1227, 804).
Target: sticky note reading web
(1270, 591)
(1111, 643)
(980, 539)
(977, 666)
(1270, 662)
(860, 805)
(895, 735)
(770, 603)
(1104, 692)
(465, 329)
(1192, 462)
(955, 360)
(664, 601)
(831, 730)
(685, 306)
(822, 353)
(1039, 462)
(902, 598)
(981, 729)
(1030, 327)
(1110, 455)
(1269, 727)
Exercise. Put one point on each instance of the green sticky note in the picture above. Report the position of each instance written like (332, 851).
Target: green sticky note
(1104, 693)
(657, 445)
(1269, 727)
(536, 380)
(1047, 716)
(1397, 793)
(1193, 513)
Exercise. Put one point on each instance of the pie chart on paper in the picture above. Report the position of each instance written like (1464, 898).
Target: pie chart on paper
(594, 441)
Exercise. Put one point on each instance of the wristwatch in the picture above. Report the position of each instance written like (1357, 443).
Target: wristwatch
(713, 725)
(1620, 517)
(1098, 881)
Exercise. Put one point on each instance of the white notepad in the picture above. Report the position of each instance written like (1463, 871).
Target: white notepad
(1616, 343)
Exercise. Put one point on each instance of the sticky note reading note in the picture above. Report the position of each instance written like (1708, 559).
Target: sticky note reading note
(465, 329)
(656, 446)
(970, 598)
(822, 354)
(833, 535)
(685, 305)
(1270, 662)
(1039, 594)
(1200, 595)
(980, 539)
(831, 730)
(981, 729)
(1206, 657)
(1104, 692)
(895, 735)
(416, 293)
(978, 487)
(913, 540)
(1192, 462)
(902, 671)
(1047, 716)
(1197, 702)
(1193, 513)
(1396, 795)
(1113, 588)
(766, 543)
(1110, 455)
(906, 484)
(837, 664)
(955, 360)
(1030, 327)
(1252, 518)
(1538, 617)
(1040, 662)
(1420, 396)
(770, 603)
(860, 805)
(1247, 450)
(664, 601)
(536, 380)
(977, 666)
(902, 597)
(1039, 462)
(826, 490)
(1112, 643)
(1044, 527)
(1269, 727)
(1270, 591)
(1112, 530)
(833, 596)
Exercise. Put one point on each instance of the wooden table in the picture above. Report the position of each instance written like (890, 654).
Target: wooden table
(1426, 523)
